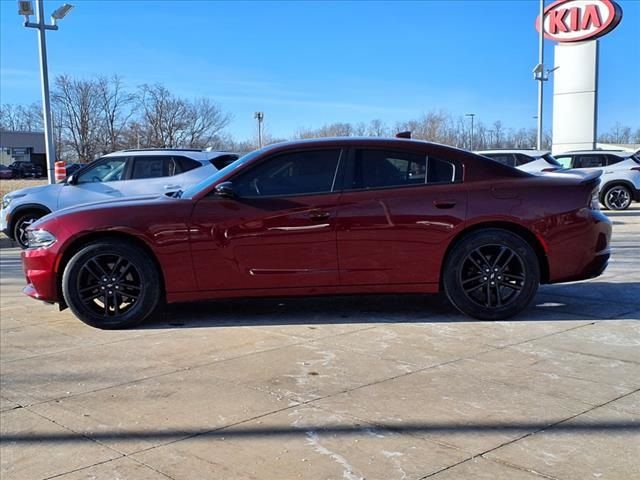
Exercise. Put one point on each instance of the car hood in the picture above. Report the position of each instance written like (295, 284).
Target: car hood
(126, 202)
(55, 188)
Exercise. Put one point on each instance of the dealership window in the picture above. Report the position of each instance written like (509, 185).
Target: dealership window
(298, 173)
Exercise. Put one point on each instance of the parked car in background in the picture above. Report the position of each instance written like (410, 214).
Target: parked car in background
(22, 169)
(5, 172)
(326, 216)
(620, 184)
(532, 161)
(116, 175)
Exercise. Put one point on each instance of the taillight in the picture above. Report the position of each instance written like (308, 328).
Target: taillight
(594, 204)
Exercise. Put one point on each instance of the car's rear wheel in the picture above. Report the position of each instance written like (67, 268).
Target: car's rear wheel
(491, 274)
(21, 224)
(617, 197)
(111, 285)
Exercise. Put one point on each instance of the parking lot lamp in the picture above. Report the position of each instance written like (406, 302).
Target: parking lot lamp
(25, 8)
(472, 115)
(260, 117)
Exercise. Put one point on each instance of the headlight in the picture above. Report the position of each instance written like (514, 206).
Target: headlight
(40, 238)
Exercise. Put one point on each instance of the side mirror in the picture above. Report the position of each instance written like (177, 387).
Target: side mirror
(72, 180)
(225, 190)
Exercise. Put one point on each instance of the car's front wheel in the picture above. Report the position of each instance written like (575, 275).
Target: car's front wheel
(491, 274)
(20, 227)
(617, 197)
(111, 285)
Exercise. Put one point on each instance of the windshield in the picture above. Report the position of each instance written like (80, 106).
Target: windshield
(549, 158)
(193, 190)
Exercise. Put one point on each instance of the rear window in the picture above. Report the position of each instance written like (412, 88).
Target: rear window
(184, 164)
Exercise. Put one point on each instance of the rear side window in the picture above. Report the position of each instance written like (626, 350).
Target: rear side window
(503, 158)
(223, 160)
(523, 159)
(183, 164)
(613, 159)
(373, 169)
(589, 161)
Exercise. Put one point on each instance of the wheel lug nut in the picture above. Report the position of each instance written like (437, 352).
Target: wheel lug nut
(493, 283)
(102, 288)
(110, 292)
(117, 287)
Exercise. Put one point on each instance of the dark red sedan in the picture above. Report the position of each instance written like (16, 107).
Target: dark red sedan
(325, 217)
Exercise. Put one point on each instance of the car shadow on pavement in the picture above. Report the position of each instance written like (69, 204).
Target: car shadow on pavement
(588, 426)
(571, 301)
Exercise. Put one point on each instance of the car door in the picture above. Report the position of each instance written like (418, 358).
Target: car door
(151, 175)
(102, 180)
(396, 215)
(277, 231)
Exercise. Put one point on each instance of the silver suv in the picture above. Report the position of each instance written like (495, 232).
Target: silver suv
(127, 173)
(620, 181)
(532, 161)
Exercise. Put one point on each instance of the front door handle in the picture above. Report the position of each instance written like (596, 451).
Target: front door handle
(319, 215)
(172, 187)
(444, 203)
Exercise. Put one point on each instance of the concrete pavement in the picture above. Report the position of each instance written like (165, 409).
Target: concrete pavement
(388, 387)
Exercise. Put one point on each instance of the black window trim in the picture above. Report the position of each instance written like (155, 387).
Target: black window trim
(457, 170)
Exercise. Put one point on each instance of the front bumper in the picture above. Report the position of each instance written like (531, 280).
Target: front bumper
(5, 218)
(40, 266)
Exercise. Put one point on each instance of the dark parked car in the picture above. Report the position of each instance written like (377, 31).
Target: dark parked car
(331, 216)
(22, 169)
(5, 172)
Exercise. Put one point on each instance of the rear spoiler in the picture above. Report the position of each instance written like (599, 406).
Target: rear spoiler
(591, 177)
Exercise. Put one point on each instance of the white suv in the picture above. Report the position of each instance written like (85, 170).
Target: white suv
(532, 161)
(620, 181)
(120, 174)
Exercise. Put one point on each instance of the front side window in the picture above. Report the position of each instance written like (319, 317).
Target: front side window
(298, 173)
(372, 169)
(107, 170)
(565, 162)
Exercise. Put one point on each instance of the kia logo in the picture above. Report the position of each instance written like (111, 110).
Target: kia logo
(579, 20)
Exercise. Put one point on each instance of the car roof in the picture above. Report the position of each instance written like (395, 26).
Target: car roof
(195, 154)
(618, 153)
(530, 153)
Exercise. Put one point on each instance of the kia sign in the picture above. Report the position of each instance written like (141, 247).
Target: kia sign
(568, 21)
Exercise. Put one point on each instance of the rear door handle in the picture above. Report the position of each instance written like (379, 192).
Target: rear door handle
(444, 203)
(319, 215)
(169, 187)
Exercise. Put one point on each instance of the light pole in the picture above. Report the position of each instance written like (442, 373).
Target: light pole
(472, 115)
(260, 117)
(25, 8)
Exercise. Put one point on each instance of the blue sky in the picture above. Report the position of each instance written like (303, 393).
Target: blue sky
(309, 63)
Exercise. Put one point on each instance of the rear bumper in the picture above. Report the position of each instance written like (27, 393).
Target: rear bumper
(583, 249)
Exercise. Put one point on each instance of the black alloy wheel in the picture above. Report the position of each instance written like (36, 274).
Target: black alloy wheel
(111, 285)
(491, 274)
(617, 197)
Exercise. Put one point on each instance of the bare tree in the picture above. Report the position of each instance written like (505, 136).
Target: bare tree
(116, 107)
(21, 118)
(80, 112)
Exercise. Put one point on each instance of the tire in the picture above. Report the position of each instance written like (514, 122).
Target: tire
(491, 274)
(92, 294)
(21, 224)
(617, 197)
